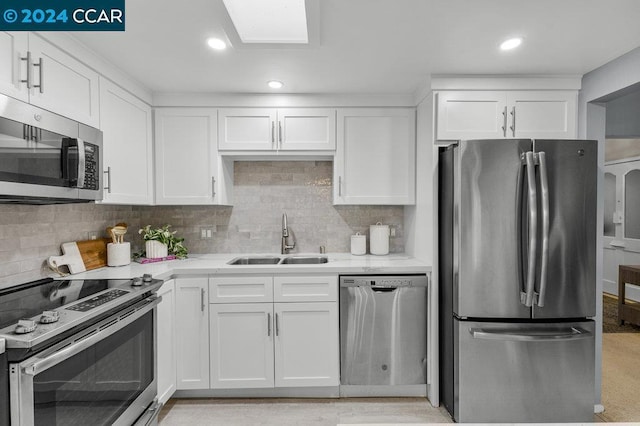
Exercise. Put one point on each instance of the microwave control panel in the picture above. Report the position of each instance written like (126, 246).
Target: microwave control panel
(91, 173)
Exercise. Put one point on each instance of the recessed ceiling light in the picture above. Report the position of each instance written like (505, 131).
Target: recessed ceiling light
(275, 84)
(512, 43)
(216, 43)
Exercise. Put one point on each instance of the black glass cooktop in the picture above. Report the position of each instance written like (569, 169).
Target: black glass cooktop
(30, 299)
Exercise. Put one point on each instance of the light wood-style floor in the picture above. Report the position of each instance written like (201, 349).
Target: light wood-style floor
(307, 412)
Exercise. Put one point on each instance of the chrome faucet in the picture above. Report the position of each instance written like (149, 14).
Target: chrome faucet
(284, 247)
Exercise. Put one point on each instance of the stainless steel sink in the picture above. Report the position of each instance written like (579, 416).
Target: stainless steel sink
(304, 260)
(255, 260)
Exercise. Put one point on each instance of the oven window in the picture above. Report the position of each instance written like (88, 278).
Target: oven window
(96, 386)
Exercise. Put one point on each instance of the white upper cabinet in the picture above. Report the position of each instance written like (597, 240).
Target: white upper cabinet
(188, 168)
(268, 129)
(36, 71)
(542, 115)
(13, 47)
(375, 156)
(506, 114)
(127, 146)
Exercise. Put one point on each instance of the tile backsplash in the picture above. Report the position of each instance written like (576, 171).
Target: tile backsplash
(263, 191)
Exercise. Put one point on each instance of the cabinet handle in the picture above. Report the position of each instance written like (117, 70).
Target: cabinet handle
(273, 132)
(202, 300)
(268, 324)
(108, 173)
(277, 326)
(513, 121)
(339, 186)
(280, 134)
(29, 63)
(40, 66)
(213, 187)
(504, 122)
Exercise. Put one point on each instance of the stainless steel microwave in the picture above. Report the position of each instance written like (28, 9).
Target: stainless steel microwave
(46, 158)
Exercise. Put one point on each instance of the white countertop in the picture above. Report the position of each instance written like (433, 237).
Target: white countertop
(207, 264)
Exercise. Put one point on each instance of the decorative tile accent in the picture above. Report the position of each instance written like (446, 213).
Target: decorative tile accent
(263, 191)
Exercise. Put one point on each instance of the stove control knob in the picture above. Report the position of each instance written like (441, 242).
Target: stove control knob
(25, 326)
(49, 317)
(137, 281)
(147, 278)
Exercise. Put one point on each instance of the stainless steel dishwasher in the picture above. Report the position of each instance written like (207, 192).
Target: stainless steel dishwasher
(383, 333)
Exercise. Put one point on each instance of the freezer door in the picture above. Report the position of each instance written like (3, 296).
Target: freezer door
(572, 168)
(488, 185)
(524, 372)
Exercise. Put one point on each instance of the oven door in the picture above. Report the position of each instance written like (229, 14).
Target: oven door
(103, 375)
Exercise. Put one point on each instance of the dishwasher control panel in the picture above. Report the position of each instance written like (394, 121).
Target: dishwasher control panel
(384, 281)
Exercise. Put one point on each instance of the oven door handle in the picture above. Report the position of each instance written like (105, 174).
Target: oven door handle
(38, 365)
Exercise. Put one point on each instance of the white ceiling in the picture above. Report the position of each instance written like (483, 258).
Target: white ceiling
(368, 46)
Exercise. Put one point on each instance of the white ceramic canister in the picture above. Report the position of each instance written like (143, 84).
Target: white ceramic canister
(118, 254)
(358, 244)
(379, 239)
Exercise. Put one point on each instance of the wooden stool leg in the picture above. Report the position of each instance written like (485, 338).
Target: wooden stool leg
(621, 289)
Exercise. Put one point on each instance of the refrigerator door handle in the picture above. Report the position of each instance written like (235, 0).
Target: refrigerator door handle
(544, 197)
(533, 335)
(527, 297)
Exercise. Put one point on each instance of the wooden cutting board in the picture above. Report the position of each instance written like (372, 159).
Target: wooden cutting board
(82, 256)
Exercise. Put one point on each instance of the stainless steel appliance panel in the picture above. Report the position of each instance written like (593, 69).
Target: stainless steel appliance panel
(383, 330)
(488, 186)
(526, 372)
(571, 173)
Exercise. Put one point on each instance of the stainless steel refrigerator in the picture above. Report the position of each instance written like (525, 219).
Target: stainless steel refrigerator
(517, 258)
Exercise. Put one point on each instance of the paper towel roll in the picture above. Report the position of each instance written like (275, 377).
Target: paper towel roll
(118, 254)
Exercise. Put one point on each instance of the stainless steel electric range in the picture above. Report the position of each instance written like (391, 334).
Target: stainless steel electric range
(79, 352)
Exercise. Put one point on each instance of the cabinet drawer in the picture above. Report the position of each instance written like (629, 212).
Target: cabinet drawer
(243, 289)
(305, 288)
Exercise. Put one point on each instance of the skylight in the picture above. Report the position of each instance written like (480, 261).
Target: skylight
(269, 21)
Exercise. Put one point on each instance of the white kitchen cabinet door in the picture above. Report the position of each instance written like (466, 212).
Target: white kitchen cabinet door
(247, 129)
(68, 87)
(13, 47)
(188, 169)
(241, 289)
(375, 156)
(306, 344)
(166, 353)
(471, 115)
(305, 288)
(192, 333)
(241, 345)
(127, 146)
(306, 129)
(542, 115)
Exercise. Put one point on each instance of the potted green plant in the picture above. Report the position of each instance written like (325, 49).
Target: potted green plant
(161, 242)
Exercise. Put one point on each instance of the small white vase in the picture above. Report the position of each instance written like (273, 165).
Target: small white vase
(155, 249)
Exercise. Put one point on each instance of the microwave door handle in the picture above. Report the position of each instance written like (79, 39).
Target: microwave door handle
(544, 197)
(82, 163)
(532, 228)
(38, 365)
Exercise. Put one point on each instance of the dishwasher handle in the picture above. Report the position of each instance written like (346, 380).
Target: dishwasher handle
(381, 289)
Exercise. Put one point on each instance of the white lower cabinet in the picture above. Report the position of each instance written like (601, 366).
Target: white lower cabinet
(241, 345)
(265, 344)
(192, 333)
(166, 343)
(306, 344)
